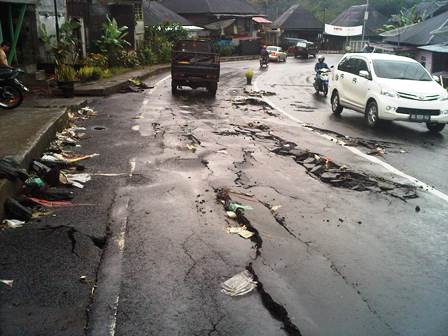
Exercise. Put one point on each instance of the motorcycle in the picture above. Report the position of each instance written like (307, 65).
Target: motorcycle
(11, 88)
(321, 81)
(264, 62)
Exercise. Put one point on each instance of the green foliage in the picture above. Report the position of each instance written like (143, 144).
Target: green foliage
(90, 73)
(249, 74)
(227, 51)
(66, 50)
(403, 19)
(65, 73)
(112, 42)
(159, 41)
(128, 59)
(96, 60)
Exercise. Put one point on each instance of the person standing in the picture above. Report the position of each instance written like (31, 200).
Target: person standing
(4, 48)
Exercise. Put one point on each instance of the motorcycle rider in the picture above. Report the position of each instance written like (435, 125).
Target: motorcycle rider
(264, 54)
(319, 66)
(4, 48)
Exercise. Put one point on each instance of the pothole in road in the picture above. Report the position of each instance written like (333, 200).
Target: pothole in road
(327, 171)
(99, 128)
(323, 168)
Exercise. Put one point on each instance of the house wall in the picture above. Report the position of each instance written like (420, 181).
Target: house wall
(425, 58)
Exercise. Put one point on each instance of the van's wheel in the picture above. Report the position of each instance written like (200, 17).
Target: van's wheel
(372, 114)
(212, 88)
(336, 104)
(435, 127)
(174, 88)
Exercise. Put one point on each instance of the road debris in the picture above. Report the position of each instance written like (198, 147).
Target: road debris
(242, 100)
(259, 93)
(231, 214)
(12, 223)
(192, 147)
(377, 151)
(78, 180)
(15, 210)
(8, 283)
(240, 284)
(11, 169)
(275, 208)
(240, 230)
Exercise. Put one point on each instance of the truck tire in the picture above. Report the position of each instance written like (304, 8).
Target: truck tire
(212, 88)
(174, 88)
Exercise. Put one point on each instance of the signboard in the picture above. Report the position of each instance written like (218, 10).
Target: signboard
(343, 31)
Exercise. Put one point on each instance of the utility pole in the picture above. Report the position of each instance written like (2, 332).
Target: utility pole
(366, 17)
(56, 19)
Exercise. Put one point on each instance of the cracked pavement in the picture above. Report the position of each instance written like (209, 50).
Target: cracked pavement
(330, 261)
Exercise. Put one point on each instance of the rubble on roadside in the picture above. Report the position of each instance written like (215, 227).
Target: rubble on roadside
(51, 179)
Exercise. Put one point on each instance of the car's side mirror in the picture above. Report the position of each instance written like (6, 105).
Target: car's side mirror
(436, 78)
(364, 74)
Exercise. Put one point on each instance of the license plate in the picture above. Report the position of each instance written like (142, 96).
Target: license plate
(419, 117)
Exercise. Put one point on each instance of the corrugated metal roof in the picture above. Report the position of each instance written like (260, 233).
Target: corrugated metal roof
(209, 6)
(298, 18)
(440, 48)
(155, 13)
(422, 33)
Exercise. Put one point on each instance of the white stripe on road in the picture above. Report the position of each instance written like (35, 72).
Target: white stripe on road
(357, 152)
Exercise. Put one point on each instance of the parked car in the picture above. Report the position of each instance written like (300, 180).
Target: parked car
(276, 54)
(194, 63)
(305, 49)
(388, 87)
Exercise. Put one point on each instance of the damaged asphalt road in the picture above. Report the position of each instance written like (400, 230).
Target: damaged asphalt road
(338, 246)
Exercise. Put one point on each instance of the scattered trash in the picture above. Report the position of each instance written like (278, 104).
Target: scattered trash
(35, 183)
(261, 93)
(239, 101)
(241, 230)
(240, 284)
(77, 180)
(377, 151)
(15, 210)
(11, 169)
(222, 151)
(83, 279)
(66, 157)
(87, 111)
(50, 204)
(192, 148)
(13, 223)
(8, 283)
(235, 206)
(275, 208)
(231, 214)
(135, 128)
(135, 85)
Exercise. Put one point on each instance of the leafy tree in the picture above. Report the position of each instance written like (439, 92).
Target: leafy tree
(112, 43)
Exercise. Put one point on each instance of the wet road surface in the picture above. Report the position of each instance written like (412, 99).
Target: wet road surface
(425, 154)
(334, 259)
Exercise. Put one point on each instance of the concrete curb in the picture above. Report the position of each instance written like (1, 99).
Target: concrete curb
(108, 87)
(34, 150)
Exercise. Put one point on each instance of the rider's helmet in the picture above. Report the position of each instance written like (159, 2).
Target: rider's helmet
(321, 59)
